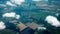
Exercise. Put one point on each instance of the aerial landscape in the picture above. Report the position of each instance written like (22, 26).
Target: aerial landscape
(29, 16)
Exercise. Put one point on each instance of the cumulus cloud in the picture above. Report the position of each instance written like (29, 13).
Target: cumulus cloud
(18, 2)
(41, 28)
(2, 25)
(10, 4)
(57, 14)
(17, 16)
(40, 0)
(53, 21)
(14, 2)
(11, 14)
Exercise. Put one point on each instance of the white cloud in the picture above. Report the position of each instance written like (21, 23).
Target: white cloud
(18, 2)
(17, 16)
(57, 14)
(40, 0)
(11, 14)
(10, 4)
(53, 21)
(2, 25)
(41, 28)
(37, 0)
